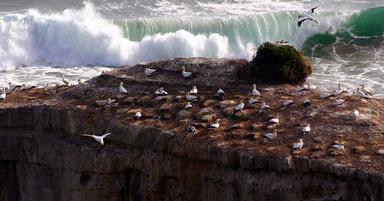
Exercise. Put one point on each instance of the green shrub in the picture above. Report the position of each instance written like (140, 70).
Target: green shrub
(279, 64)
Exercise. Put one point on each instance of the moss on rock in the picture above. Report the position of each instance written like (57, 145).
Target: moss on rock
(279, 64)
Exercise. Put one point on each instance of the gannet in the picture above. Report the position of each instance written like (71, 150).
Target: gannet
(264, 106)
(184, 73)
(110, 101)
(274, 120)
(298, 145)
(252, 101)
(280, 42)
(271, 135)
(238, 107)
(3, 94)
(365, 90)
(306, 129)
(307, 102)
(361, 93)
(192, 129)
(306, 87)
(356, 113)
(66, 82)
(220, 92)
(214, 125)
(137, 115)
(122, 89)
(255, 92)
(287, 102)
(193, 90)
(190, 97)
(27, 87)
(149, 71)
(161, 92)
(310, 18)
(339, 102)
(339, 90)
(79, 81)
(337, 146)
(98, 138)
(324, 95)
(188, 106)
(309, 12)
(12, 87)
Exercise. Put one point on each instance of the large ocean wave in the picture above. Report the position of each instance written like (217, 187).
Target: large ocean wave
(83, 37)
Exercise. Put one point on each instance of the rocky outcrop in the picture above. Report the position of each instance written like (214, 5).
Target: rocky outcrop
(43, 156)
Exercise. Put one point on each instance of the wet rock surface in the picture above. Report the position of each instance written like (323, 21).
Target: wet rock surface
(44, 157)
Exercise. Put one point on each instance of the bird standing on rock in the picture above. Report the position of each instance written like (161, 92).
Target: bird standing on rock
(365, 90)
(190, 97)
(271, 135)
(255, 92)
(306, 129)
(137, 115)
(98, 138)
(66, 82)
(3, 95)
(149, 71)
(238, 107)
(184, 73)
(298, 145)
(214, 125)
(122, 89)
(274, 120)
(188, 106)
(193, 90)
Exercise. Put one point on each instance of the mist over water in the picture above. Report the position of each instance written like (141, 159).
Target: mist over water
(43, 37)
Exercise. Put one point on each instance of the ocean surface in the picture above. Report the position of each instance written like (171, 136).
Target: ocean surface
(40, 38)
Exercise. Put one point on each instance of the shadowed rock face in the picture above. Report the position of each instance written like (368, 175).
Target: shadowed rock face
(43, 156)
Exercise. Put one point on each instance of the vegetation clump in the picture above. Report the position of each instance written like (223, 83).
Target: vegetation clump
(279, 64)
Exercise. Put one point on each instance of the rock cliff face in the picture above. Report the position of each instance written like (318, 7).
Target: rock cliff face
(43, 157)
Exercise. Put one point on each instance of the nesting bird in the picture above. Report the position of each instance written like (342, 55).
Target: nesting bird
(270, 135)
(193, 90)
(122, 89)
(192, 129)
(137, 115)
(252, 101)
(361, 93)
(188, 106)
(265, 106)
(337, 146)
(274, 120)
(287, 103)
(184, 73)
(214, 125)
(255, 92)
(161, 92)
(220, 92)
(3, 94)
(238, 107)
(149, 71)
(356, 113)
(339, 102)
(365, 90)
(190, 97)
(298, 145)
(99, 139)
(306, 129)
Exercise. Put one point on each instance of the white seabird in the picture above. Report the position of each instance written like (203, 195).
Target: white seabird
(298, 145)
(188, 106)
(12, 87)
(161, 92)
(214, 125)
(270, 135)
(339, 90)
(66, 82)
(255, 92)
(310, 18)
(122, 89)
(190, 97)
(365, 90)
(137, 115)
(274, 120)
(79, 81)
(184, 73)
(287, 102)
(361, 93)
(193, 90)
(306, 87)
(309, 12)
(264, 106)
(252, 101)
(98, 138)
(110, 101)
(307, 102)
(356, 113)
(306, 129)
(339, 102)
(220, 92)
(3, 94)
(238, 107)
(149, 71)
(337, 146)
(192, 129)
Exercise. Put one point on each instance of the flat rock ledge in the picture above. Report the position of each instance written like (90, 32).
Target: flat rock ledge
(44, 157)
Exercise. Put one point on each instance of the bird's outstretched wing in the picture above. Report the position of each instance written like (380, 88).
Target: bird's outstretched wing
(313, 9)
(105, 135)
